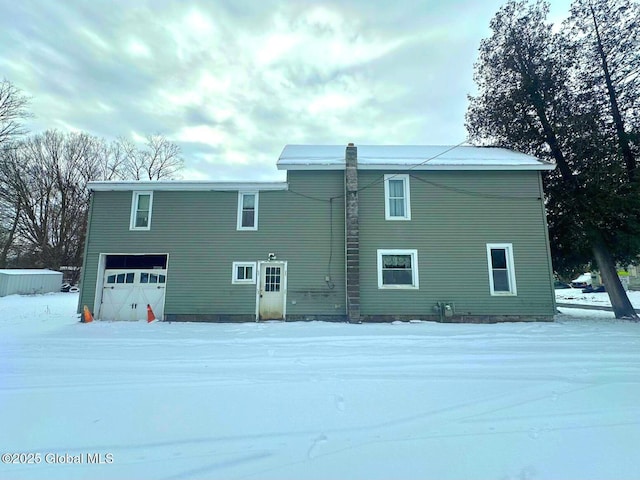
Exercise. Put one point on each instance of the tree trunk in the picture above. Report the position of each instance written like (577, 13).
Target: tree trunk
(619, 300)
(9, 242)
(623, 137)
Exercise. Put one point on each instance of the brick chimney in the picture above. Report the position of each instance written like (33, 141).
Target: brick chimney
(352, 233)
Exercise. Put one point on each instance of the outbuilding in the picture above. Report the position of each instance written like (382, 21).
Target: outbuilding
(29, 281)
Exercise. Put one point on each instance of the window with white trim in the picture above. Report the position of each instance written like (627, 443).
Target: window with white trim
(398, 269)
(244, 273)
(247, 211)
(397, 201)
(141, 203)
(502, 274)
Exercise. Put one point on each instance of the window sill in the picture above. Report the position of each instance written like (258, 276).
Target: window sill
(398, 287)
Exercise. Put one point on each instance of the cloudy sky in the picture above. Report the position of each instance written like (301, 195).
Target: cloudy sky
(233, 81)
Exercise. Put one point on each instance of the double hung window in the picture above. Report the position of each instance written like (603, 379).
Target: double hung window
(502, 275)
(397, 202)
(141, 204)
(398, 269)
(247, 211)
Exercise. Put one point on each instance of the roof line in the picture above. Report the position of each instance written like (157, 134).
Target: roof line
(185, 185)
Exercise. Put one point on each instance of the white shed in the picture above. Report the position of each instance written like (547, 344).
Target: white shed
(29, 281)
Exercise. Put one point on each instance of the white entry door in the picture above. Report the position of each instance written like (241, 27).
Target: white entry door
(272, 292)
(126, 294)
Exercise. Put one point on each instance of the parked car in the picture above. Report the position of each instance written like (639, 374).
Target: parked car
(590, 289)
(583, 281)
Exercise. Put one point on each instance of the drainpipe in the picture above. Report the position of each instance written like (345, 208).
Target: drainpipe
(352, 234)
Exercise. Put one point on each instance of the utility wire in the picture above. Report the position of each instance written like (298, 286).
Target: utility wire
(381, 178)
(472, 193)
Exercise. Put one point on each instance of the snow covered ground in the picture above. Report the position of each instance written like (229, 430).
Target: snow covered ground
(316, 400)
(575, 295)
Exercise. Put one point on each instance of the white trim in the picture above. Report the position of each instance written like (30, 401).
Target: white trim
(414, 268)
(97, 297)
(511, 271)
(134, 208)
(291, 165)
(404, 157)
(102, 266)
(241, 195)
(190, 186)
(407, 196)
(284, 286)
(246, 281)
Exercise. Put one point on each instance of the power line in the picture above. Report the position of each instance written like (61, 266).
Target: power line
(472, 193)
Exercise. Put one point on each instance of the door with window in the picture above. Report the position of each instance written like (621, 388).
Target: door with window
(272, 290)
(126, 294)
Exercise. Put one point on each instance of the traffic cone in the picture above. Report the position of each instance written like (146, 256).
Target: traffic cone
(87, 317)
(150, 316)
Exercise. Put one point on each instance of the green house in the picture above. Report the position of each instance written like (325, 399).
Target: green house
(368, 233)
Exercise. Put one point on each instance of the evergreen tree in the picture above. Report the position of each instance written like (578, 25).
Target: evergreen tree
(533, 97)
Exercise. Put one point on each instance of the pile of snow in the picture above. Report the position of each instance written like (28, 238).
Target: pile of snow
(316, 400)
(575, 295)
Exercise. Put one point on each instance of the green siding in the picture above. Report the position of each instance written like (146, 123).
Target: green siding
(453, 216)
(198, 232)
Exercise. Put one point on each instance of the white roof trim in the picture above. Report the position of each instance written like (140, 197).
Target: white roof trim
(182, 186)
(409, 157)
(403, 167)
(29, 271)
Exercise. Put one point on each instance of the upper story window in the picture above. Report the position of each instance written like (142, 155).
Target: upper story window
(247, 211)
(141, 204)
(397, 202)
(502, 275)
(398, 269)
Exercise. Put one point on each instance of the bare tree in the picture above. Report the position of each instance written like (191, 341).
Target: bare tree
(13, 109)
(159, 159)
(44, 202)
(46, 176)
(10, 204)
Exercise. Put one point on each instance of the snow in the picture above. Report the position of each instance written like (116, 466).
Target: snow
(184, 186)
(28, 271)
(575, 295)
(423, 157)
(317, 400)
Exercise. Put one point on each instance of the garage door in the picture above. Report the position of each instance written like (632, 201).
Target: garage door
(127, 292)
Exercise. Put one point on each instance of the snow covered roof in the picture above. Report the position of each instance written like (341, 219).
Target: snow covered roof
(418, 157)
(175, 185)
(28, 271)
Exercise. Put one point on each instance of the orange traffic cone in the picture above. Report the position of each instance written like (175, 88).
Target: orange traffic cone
(88, 318)
(150, 316)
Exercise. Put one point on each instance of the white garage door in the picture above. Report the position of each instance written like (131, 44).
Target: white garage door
(126, 294)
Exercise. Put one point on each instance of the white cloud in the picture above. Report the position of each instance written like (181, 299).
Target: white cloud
(232, 81)
(201, 134)
(136, 48)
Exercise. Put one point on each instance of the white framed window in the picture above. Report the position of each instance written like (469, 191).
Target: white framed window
(247, 211)
(141, 204)
(398, 269)
(397, 197)
(244, 273)
(502, 273)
